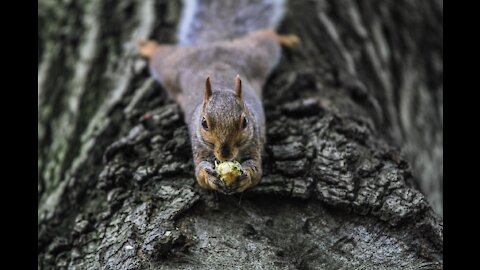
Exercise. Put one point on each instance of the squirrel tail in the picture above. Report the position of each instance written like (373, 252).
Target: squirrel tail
(206, 21)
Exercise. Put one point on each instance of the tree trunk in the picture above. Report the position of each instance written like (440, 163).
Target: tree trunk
(347, 112)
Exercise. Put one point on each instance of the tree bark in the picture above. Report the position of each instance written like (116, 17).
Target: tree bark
(347, 112)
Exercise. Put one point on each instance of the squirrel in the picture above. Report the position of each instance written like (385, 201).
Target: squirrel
(216, 72)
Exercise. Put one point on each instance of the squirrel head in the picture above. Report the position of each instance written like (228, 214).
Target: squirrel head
(224, 122)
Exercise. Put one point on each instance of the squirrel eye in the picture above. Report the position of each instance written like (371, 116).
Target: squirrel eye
(244, 123)
(204, 123)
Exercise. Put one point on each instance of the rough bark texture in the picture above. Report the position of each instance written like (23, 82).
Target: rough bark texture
(116, 191)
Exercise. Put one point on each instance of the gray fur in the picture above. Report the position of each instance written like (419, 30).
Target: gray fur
(206, 21)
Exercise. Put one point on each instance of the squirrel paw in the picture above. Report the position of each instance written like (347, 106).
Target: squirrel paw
(208, 178)
(146, 48)
(288, 40)
(244, 182)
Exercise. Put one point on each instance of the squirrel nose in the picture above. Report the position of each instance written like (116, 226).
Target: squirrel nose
(225, 151)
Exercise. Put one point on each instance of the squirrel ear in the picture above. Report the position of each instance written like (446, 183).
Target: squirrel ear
(238, 86)
(208, 90)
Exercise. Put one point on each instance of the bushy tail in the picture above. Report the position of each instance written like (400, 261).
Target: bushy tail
(206, 21)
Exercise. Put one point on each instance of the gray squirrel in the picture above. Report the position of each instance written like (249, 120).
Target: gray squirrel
(216, 72)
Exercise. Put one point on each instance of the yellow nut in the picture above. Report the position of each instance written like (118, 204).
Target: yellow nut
(228, 171)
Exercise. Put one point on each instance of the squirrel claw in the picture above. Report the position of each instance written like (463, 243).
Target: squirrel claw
(212, 172)
(215, 183)
(244, 182)
(146, 48)
(288, 40)
(208, 178)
